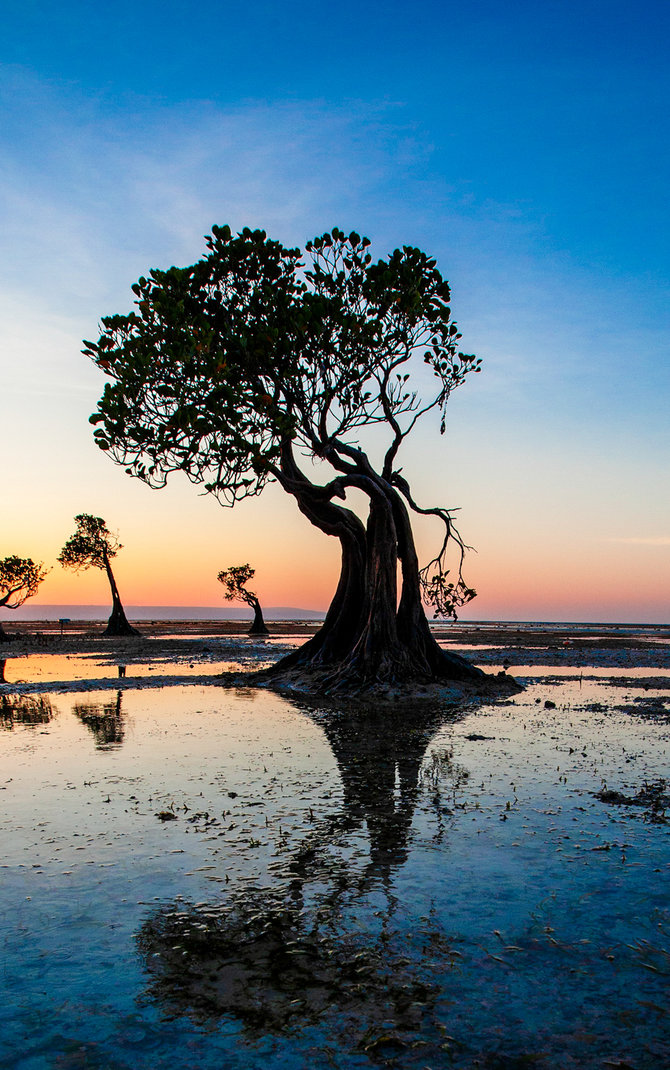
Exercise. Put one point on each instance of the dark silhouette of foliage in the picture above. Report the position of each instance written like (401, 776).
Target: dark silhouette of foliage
(27, 710)
(278, 959)
(104, 719)
(232, 369)
(93, 545)
(19, 579)
(235, 580)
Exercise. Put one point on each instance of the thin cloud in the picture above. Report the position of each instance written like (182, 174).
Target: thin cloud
(644, 540)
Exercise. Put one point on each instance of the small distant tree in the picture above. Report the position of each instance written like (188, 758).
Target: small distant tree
(19, 579)
(235, 580)
(93, 546)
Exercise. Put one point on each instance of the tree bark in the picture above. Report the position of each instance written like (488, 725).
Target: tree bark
(377, 655)
(258, 626)
(370, 637)
(118, 622)
(343, 620)
(413, 627)
(395, 645)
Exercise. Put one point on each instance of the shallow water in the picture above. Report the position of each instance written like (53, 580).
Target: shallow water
(198, 877)
(46, 668)
(51, 668)
(590, 672)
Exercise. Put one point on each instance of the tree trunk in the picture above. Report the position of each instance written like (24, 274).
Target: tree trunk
(395, 646)
(413, 627)
(377, 655)
(118, 622)
(258, 627)
(343, 621)
(369, 637)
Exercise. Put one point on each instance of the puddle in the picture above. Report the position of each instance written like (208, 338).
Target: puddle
(35, 669)
(50, 668)
(589, 672)
(197, 877)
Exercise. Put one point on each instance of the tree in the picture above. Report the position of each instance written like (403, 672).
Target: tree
(93, 546)
(19, 579)
(235, 580)
(233, 369)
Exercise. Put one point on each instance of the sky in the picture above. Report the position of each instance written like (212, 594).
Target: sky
(524, 146)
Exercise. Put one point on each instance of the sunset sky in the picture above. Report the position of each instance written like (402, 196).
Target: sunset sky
(524, 145)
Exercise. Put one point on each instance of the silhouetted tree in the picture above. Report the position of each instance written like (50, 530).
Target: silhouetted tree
(94, 546)
(271, 958)
(19, 579)
(104, 719)
(25, 710)
(232, 368)
(235, 580)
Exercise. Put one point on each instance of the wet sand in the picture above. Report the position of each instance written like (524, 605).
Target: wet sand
(45, 656)
(194, 876)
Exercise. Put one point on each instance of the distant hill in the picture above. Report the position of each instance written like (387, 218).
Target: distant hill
(35, 611)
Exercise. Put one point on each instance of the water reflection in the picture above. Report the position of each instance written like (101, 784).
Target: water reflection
(266, 962)
(104, 719)
(25, 709)
(379, 759)
(323, 945)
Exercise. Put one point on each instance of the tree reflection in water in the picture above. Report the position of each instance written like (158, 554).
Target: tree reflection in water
(25, 710)
(104, 719)
(322, 947)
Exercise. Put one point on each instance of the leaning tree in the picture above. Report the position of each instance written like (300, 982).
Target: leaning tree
(236, 369)
(19, 579)
(235, 580)
(93, 545)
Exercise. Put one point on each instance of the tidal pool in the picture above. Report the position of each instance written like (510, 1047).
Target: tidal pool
(200, 877)
(50, 670)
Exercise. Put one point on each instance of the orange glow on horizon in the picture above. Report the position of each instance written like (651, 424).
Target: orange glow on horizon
(535, 574)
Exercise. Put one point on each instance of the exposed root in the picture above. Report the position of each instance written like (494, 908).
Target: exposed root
(323, 683)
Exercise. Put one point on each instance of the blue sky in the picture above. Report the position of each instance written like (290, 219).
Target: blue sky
(525, 147)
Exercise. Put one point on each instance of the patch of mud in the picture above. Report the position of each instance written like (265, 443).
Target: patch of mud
(650, 707)
(653, 798)
(658, 683)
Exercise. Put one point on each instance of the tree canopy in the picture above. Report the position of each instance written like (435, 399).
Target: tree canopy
(233, 369)
(93, 545)
(19, 579)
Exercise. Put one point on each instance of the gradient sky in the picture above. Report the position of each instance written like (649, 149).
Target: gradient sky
(525, 146)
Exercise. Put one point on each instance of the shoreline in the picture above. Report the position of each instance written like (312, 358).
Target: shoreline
(212, 653)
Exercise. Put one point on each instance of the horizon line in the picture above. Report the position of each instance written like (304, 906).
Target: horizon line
(100, 612)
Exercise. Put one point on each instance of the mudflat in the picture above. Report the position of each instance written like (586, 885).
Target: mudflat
(225, 876)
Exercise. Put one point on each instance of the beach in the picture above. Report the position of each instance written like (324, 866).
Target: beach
(198, 874)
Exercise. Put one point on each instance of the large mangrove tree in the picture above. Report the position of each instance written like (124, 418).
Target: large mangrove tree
(257, 359)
